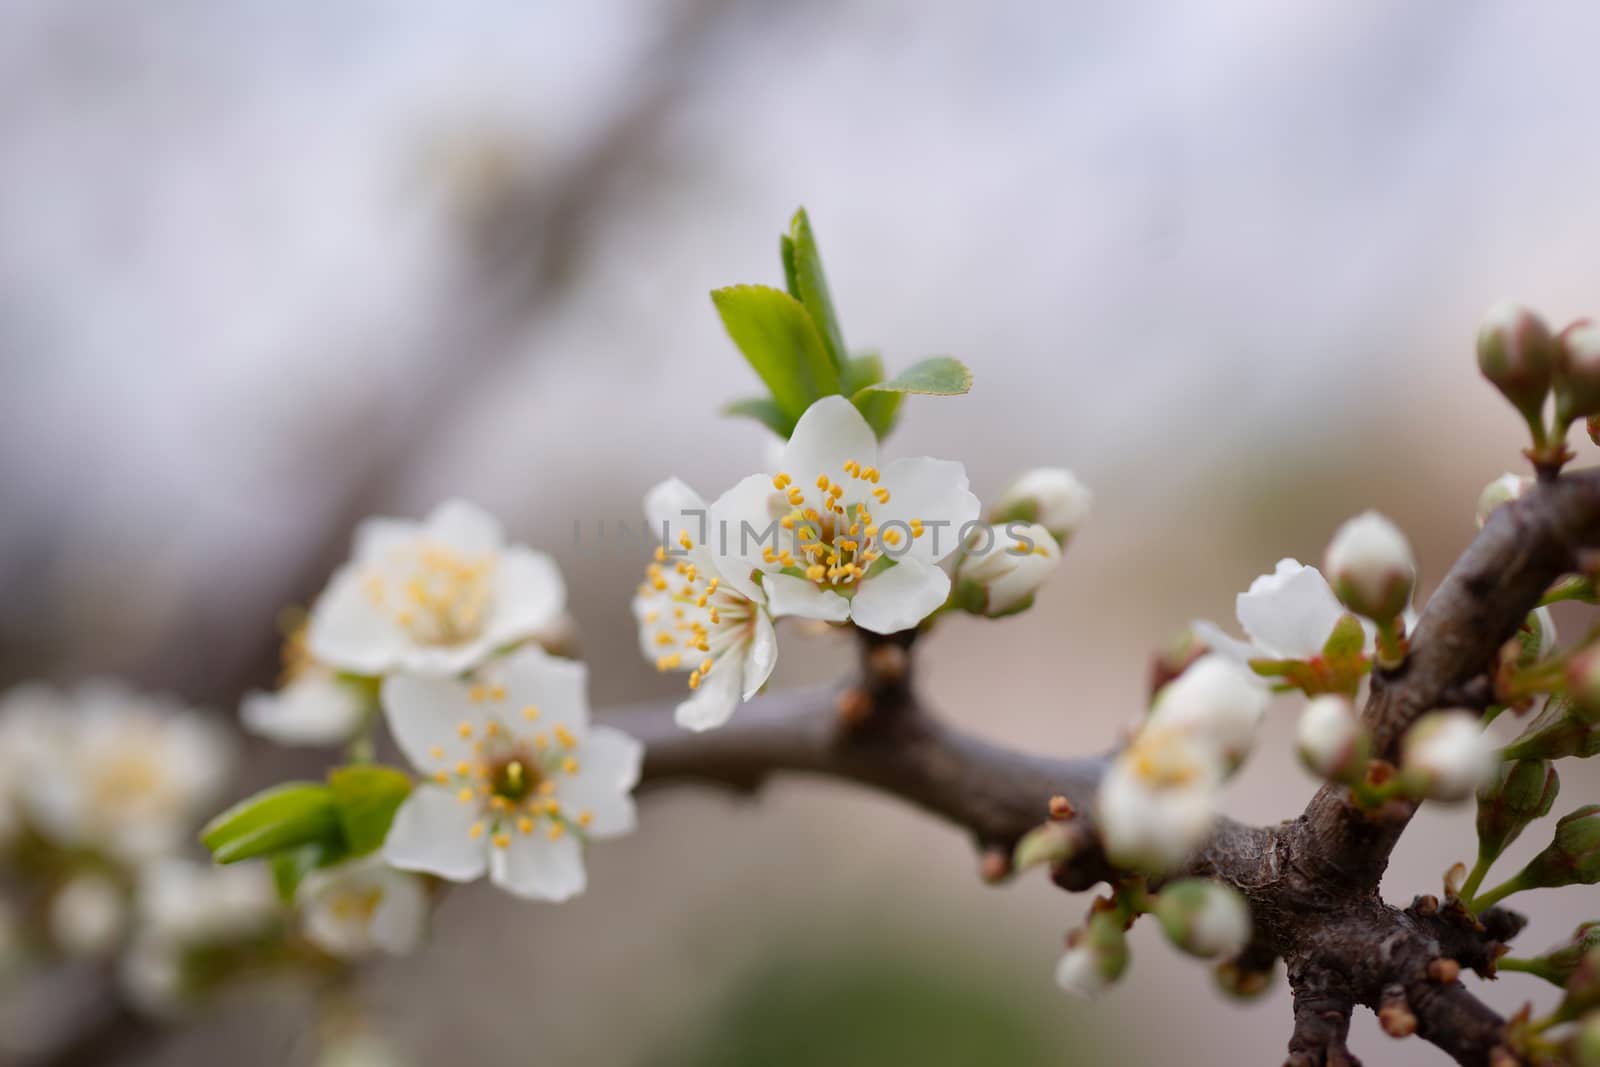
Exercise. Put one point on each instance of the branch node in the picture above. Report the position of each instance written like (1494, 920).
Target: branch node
(888, 664)
(1395, 1014)
(1444, 970)
(853, 707)
(1061, 808)
(994, 865)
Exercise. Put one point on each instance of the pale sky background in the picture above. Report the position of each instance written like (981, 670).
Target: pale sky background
(1223, 260)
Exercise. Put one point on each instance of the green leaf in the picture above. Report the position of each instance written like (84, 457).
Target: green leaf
(879, 409)
(807, 283)
(765, 411)
(287, 815)
(367, 796)
(786, 253)
(781, 342)
(938, 376)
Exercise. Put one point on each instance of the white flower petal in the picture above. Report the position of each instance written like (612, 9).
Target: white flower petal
(380, 536)
(788, 595)
(743, 520)
(556, 686)
(830, 433)
(933, 490)
(900, 597)
(713, 702)
(528, 596)
(609, 762)
(348, 632)
(1290, 612)
(427, 713)
(431, 833)
(1218, 641)
(672, 508)
(761, 656)
(532, 865)
(465, 528)
(401, 918)
(317, 709)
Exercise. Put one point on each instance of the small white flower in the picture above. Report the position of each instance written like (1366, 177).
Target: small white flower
(835, 538)
(517, 776)
(1449, 755)
(1287, 614)
(126, 773)
(1222, 927)
(185, 903)
(311, 706)
(1502, 490)
(1330, 739)
(691, 619)
(1080, 973)
(1218, 702)
(88, 915)
(1371, 566)
(1010, 561)
(433, 598)
(1050, 496)
(363, 906)
(1156, 802)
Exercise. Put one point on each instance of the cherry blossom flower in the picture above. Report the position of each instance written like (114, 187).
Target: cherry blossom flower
(363, 906)
(1157, 799)
(690, 619)
(1009, 562)
(1218, 702)
(1050, 496)
(1447, 754)
(1286, 615)
(433, 598)
(517, 777)
(833, 537)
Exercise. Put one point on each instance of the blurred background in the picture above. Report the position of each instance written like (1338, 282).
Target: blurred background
(266, 269)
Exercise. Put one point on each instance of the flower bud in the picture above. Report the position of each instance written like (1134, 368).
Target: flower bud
(1583, 987)
(1572, 858)
(1050, 496)
(1586, 1041)
(1558, 731)
(1216, 701)
(1577, 371)
(1371, 567)
(1096, 956)
(1514, 796)
(1052, 842)
(1446, 755)
(1583, 683)
(1006, 564)
(1516, 353)
(1204, 918)
(1560, 962)
(1331, 741)
(1503, 490)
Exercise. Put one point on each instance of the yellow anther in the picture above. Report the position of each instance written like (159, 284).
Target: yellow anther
(694, 680)
(479, 693)
(463, 768)
(476, 831)
(816, 572)
(781, 481)
(851, 467)
(569, 765)
(871, 475)
(711, 586)
(497, 692)
(785, 558)
(822, 482)
(442, 777)
(546, 788)
(497, 803)
(891, 537)
(882, 494)
(541, 741)
(659, 584)
(501, 841)
(705, 667)
(668, 662)
(524, 825)
(435, 752)
(685, 540)
(585, 817)
(564, 735)
(465, 796)
(664, 638)
(531, 713)
(715, 617)
(661, 554)
(556, 831)
(796, 497)
(836, 490)
(464, 730)
(551, 807)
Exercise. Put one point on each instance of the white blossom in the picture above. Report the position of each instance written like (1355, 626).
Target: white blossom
(1217, 701)
(1286, 615)
(517, 777)
(88, 915)
(1222, 926)
(1448, 754)
(433, 598)
(122, 772)
(835, 538)
(1371, 566)
(1053, 497)
(1330, 740)
(1158, 798)
(363, 906)
(1010, 561)
(312, 705)
(691, 619)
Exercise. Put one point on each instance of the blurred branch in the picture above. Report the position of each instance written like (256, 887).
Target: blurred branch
(1312, 883)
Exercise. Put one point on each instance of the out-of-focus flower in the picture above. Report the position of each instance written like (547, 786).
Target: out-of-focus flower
(34, 728)
(363, 906)
(1096, 957)
(1330, 740)
(1217, 702)
(1158, 798)
(1050, 496)
(1502, 490)
(1447, 754)
(1517, 354)
(835, 538)
(1204, 918)
(1371, 567)
(88, 915)
(311, 706)
(127, 774)
(433, 598)
(1008, 562)
(517, 777)
(690, 619)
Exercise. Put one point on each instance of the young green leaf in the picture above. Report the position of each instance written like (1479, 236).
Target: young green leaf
(807, 283)
(367, 795)
(791, 282)
(781, 342)
(938, 376)
(879, 409)
(291, 814)
(765, 411)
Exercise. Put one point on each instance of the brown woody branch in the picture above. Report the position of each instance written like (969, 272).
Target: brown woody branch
(1312, 883)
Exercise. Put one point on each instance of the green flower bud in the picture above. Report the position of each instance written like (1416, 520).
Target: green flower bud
(1556, 732)
(1583, 683)
(1560, 962)
(1204, 918)
(1371, 567)
(1583, 987)
(1096, 956)
(1572, 858)
(1586, 1041)
(1516, 795)
(1516, 353)
(1577, 371)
